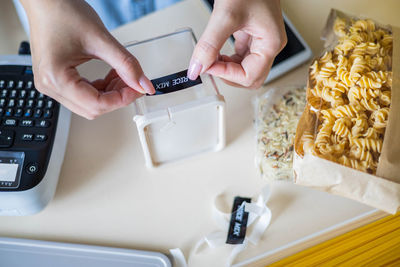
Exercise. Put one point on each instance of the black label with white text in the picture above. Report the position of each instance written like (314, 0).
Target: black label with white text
(238, 223)
(174, 82)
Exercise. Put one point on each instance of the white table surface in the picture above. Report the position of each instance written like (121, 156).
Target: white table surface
(106, 196)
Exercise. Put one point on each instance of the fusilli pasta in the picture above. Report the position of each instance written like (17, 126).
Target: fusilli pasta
(350, 93)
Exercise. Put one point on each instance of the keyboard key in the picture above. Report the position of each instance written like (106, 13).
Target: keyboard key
(13, 93)
(28, 112)
(29, 103)
(10, 84)
(47, 114)
(18, 112)
(9, 112)
(26, 123)
(43, 123)
(6, 138)
(27, 137)
(1, 111)
(20, 103)
(2, 102)
(40, 137)
(2, 84)
(28, 70)
(50, 103)
(22, 93)
(39, 103)
(20, 84)
(10, 122)
(29, 85)
(32, 168)
(41, 96)
(32, 94)
(38, 113)
(4, 93)
(11, 103)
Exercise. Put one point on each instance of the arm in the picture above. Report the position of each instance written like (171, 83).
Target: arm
(65, 34)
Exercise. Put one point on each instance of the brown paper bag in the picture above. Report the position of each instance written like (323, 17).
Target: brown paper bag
(382, 190)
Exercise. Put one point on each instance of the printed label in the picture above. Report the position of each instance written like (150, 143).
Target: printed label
(238, 223)
(174, 82)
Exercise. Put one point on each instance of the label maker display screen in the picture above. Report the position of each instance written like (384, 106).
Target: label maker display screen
(10, 168)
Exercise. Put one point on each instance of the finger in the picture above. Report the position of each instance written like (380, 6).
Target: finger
(87, 97)
(219, 28)
(231, 83)
(127, 94)
(112, 84)
(252, 70)
(68, 104)
(234, 58)
(47, 84)
(242, 42)
(110, 76)
(126, 65)
(250, 73)
(100, 84)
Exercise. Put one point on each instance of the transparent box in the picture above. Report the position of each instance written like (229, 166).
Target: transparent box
(182, 123)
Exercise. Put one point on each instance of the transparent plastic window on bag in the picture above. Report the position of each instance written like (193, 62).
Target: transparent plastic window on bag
(277, 114)
(349, 95)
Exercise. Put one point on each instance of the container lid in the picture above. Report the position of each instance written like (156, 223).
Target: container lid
(164, 55)
(165, 60)
(23, 252)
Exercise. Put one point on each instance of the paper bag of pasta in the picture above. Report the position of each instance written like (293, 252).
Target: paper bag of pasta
(348, 138)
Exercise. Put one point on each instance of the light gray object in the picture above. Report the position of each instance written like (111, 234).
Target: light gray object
(23, 252)
(27, 202)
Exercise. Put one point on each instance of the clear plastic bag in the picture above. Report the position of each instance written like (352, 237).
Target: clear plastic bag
(346, 138)
(349, 94)
(277, 113)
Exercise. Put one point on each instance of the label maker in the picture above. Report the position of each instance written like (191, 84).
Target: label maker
(33, 137)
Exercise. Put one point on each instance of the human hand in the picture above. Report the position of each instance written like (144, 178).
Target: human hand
(259, 32)
(65, 34)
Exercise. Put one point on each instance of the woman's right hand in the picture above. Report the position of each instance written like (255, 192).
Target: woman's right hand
(65, 34)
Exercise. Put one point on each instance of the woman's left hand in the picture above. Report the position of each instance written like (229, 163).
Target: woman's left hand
(259, 32)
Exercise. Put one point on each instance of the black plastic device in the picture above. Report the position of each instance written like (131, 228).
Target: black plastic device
(28, 122)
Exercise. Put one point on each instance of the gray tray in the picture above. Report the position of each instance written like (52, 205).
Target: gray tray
(23, 252)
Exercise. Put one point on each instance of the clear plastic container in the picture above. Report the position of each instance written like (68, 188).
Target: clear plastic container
(182, 123)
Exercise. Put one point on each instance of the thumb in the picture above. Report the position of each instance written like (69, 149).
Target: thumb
(206, 52)
(125, 64)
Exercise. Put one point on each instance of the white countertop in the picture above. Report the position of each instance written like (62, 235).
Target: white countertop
(106, 196)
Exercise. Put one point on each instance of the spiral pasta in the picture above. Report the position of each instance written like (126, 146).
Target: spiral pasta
(350, 93)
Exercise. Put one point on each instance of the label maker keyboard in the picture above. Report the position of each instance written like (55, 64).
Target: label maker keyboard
(28, 123)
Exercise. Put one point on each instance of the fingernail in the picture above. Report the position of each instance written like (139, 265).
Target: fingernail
(194, 69)
(147, 85)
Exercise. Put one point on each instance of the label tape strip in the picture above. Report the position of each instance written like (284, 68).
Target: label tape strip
(259, 216)
(238, 223)
(174, 82)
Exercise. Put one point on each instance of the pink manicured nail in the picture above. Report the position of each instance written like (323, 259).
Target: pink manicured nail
(147, 85)
(194, 69)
